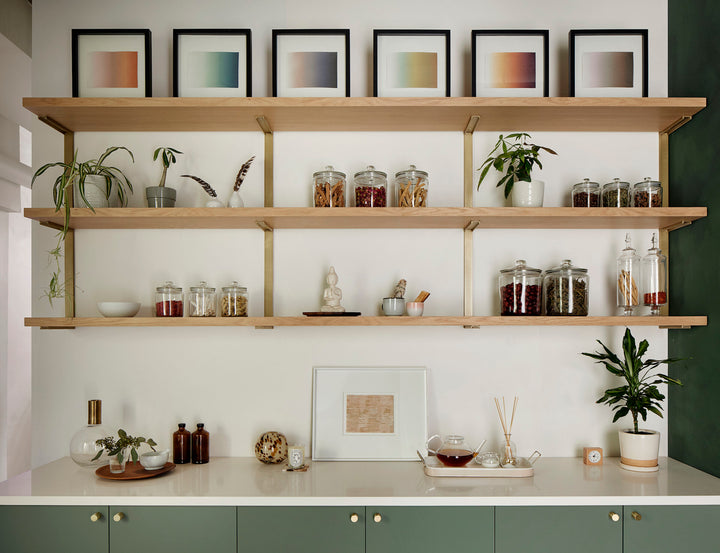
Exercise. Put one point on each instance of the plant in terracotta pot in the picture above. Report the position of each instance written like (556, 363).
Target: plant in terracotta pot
(118, 450)
(637, 396)
(161, 195)
(516, 158)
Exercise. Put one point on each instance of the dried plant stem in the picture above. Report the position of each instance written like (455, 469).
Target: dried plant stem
(507, 429)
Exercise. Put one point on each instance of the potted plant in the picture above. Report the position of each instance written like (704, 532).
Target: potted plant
(161, 195)
(638, 395)
(119, 449)
(515, 157)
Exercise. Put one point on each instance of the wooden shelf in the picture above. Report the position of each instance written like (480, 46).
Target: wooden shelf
(379, 218)
(366, 114)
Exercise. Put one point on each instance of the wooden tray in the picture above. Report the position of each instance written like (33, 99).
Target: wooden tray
(133, 471)
(433, 467)
(331, 314)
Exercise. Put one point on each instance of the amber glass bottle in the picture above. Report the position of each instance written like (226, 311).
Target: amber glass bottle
(200, 445)
(181, 445)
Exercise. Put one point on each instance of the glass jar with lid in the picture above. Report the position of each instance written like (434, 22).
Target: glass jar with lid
(168, 300)
(566, 289)
(329, 188)
(520, 290)
(616, 194)
(411, 186)
(234, 301)
(586, 194)
(648, 193)
(201, 300)
(654, 278)
(628, 275)
(370, 188)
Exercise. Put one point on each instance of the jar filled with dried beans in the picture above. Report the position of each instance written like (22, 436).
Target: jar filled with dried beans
(520, 290)
(648, 193)
(370, 188)
(168, 300)
(565, 289)
(616, 194)
(586, 194)
(329, 188)
(234, 301)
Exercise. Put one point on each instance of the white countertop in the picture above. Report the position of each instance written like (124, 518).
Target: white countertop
(245, 481)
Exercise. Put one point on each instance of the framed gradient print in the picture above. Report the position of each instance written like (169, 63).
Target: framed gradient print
(311, 62)
(212, 62)
(411, 63)
(609, 63)
(510, 63)
(111, 63)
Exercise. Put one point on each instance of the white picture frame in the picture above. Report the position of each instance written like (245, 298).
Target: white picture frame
(369, 413)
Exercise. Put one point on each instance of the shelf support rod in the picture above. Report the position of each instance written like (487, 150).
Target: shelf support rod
(69, 248)
(268, 235)
(467, 202)
(664, 174)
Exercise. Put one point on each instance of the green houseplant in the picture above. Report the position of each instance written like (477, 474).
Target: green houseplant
(637, 396)
(119, 449)
(161, 195)
(516, 158)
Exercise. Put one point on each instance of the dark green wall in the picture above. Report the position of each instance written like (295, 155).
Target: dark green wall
(694, 70)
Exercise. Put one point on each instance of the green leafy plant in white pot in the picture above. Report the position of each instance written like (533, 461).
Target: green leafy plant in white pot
(516, 158)
(161, 195)
(637, 396)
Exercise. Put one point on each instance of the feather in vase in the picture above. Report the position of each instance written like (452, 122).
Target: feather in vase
(241, 174)
(209, 189)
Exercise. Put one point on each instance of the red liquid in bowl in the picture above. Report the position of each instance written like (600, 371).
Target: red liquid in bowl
(455, 457)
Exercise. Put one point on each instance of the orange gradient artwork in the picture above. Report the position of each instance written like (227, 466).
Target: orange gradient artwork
(114, 70)
(512, 70)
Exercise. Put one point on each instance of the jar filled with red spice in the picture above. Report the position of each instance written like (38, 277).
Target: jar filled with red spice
(520, 290)
(654, 277)
(168, 300)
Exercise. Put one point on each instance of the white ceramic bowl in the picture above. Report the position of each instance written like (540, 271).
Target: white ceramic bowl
(118, 308)
(153, 460)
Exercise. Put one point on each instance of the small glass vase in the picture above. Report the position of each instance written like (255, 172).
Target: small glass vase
(118, 461)
(83, 445)
(508, 451)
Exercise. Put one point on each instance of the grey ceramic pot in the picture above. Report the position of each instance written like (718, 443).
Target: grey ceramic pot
(160, 196)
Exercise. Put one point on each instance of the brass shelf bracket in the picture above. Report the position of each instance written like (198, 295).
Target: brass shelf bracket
(59, 127)
(268, 237)
(676, 226)
(676, 125)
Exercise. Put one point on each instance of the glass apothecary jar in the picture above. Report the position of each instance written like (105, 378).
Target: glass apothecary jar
(234, 301)
(520, 290)
(168, 300)
(566, 289)
(201, 300)
(329, 188)
(411, 186)
(616, 194)
(586, 194)
(654, 278)
(370, 188)
(628, 276)
(648, 193)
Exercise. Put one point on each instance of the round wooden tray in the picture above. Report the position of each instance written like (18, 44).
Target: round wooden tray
(133, 471)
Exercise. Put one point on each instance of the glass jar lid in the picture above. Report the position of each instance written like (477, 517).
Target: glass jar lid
(521, 269)
(169, 288)
(586, 184)
(234, 287)
(202, 288)
(616, 184)
(647, 183)
(329, 173)
(629, 251)
(411, 173)
(370, 174)
(565, 269)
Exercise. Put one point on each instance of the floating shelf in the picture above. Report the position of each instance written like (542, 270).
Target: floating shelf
(664, 218)
(269, 322)
(366, 114)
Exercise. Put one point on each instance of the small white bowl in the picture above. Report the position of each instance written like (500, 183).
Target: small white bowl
(414, 308)
(154, 460)
(118, 308)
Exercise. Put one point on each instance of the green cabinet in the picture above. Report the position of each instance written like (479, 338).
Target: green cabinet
(559, 529)
(301, 529)
(60, 529)
(429, 529)
(655, 528)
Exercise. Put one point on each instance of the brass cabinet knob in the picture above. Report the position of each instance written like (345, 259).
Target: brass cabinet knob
(117, 517)
(95, 517)
(636, 515)
(614, 516)
(354, 517)
(377, 517)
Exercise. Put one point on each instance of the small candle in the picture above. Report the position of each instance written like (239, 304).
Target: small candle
(296, 456)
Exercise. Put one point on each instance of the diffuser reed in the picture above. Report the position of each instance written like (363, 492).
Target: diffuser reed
(509, 457)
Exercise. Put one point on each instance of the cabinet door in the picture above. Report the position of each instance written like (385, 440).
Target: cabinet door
(60, 529)
(558, 529)
(657, 528)
(429, 529)
(301, 529)
(173, 529)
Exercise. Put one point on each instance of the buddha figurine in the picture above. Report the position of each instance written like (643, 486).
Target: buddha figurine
(332, 294)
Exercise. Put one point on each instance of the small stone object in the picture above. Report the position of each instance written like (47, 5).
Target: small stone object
(271, 448)
(332, 294)
(399, 291)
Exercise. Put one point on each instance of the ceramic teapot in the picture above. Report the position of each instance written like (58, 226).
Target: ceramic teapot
(453, 451)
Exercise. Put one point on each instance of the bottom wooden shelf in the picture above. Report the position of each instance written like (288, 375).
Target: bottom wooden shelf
(269, 322)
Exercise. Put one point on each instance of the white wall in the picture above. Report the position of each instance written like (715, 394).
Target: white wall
(242, 381)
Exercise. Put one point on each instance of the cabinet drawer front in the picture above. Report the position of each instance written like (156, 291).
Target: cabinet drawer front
(429, 529)
(557, 529)
(301, 529)
(693, 528)
(60, 529)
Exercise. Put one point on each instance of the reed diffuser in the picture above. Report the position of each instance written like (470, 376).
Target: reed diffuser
(508, 458)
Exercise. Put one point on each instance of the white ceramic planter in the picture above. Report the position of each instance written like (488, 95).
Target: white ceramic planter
(95, 192)
(528, 194)
(639, 450)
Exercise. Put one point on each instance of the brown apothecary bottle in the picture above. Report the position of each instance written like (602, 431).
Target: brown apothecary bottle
(200, 445)
(181, 445)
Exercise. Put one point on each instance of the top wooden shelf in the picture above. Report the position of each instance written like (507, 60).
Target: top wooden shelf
(366, 114)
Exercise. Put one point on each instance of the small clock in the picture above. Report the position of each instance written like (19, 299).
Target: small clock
(593, 455)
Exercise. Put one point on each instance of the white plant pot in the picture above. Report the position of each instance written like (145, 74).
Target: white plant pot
(236, 200)
(95, 192)
(639, 451)
(528, 194)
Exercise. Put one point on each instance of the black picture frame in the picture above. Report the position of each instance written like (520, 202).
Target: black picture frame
(247, 33)
(377, 33)
(543, 33)
(612, 33)
(277, 34)
(77, 34)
